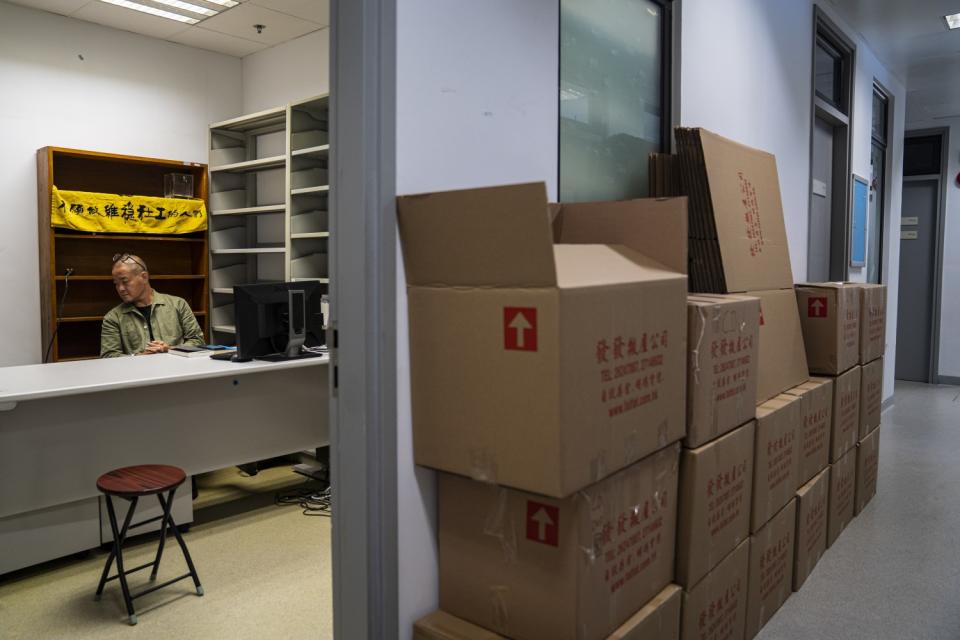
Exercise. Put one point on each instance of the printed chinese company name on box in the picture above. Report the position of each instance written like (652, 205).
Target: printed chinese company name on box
(659, 618)
(830, 317)
(539, 366)
(843, 480)
(811, 536)
(771, 568)
(868, 460)
(776, 457)
(873, 321)
(871, 396)
(529, 566)
(738, 240)
(846, 412)
(816, 421)
(723, 341)
(782, 358)
(716, 607)
(716, 483)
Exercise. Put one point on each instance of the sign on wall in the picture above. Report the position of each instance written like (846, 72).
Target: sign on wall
(858, 222)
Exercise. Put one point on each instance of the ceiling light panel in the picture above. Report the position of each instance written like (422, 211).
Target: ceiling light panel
(160, 13)
(953, 20)
(185, 11)
(188, 7)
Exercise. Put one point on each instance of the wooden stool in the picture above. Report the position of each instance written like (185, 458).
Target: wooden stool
(131, 483)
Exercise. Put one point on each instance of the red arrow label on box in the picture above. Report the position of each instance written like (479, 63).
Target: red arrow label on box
(520, 328)
(543, 523)
(817, 308)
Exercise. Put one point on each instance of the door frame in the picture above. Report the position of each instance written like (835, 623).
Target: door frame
(933, 376)
(363, 244)
(841, 179)
(886, 197)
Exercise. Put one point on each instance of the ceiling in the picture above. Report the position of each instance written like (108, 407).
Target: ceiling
(230, 32)
(911, 39)
(904, 33)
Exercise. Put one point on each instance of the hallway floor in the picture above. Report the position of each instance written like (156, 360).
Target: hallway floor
(895, 571)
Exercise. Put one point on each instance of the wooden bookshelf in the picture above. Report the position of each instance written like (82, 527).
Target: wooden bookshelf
(178, 263)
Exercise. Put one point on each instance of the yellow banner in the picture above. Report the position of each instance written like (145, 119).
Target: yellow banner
(111, 213)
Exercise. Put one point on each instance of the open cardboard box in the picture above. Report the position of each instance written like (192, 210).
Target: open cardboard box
(537, 365)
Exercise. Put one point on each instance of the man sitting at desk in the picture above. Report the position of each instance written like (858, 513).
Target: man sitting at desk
(148, 321)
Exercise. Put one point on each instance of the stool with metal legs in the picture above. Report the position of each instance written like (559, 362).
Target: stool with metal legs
(132, 483)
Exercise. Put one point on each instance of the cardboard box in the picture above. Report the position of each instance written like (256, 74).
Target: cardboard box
(655, 227)
(738, 238)
(716, 483)
(830, 317)
(771, 568)
(723, 341)
(659, 618)
(716, 608)
(871, 396)
(873, 321)
(440, 625)
(776, 458)
(816, 420)
(813, 504)
(535, 366)
(529, 566)
(846, 413)
(868, 463)
(843, 480)
(783, 361)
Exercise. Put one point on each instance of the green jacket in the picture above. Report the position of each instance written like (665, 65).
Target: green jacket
(124, 330)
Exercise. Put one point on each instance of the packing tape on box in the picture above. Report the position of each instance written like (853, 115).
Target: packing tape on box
(483, 466)
(695, 349)
(598, 467)
(500, 525)
(597, 507)
(499, 612)
(663, 430)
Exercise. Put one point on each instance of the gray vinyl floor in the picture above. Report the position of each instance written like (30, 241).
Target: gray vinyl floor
(265, 569)
(895, 571)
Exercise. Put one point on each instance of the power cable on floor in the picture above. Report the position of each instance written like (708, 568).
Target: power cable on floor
(313, 502)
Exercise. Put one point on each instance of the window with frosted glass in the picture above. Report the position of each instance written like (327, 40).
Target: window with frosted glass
(613, 96)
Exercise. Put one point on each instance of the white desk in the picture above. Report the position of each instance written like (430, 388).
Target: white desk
(62, 425)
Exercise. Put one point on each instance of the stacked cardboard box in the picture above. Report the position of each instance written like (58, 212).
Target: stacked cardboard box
(547, 375)
(738, 244)
(771, 568)
(717, 465)
(813, 477)
(811, 534)
(659, 619)
(844, 328)
(873, 334)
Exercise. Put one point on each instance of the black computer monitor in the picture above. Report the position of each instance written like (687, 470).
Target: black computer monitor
(275, 321)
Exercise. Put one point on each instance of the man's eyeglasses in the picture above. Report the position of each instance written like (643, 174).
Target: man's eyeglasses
(124, 257)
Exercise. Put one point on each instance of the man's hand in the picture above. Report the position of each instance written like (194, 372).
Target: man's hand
(157, 346)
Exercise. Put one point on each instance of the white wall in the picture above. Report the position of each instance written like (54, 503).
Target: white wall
(130, 94)
(746, 74)
(476, 105)
(933, 102)
(287, 72)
